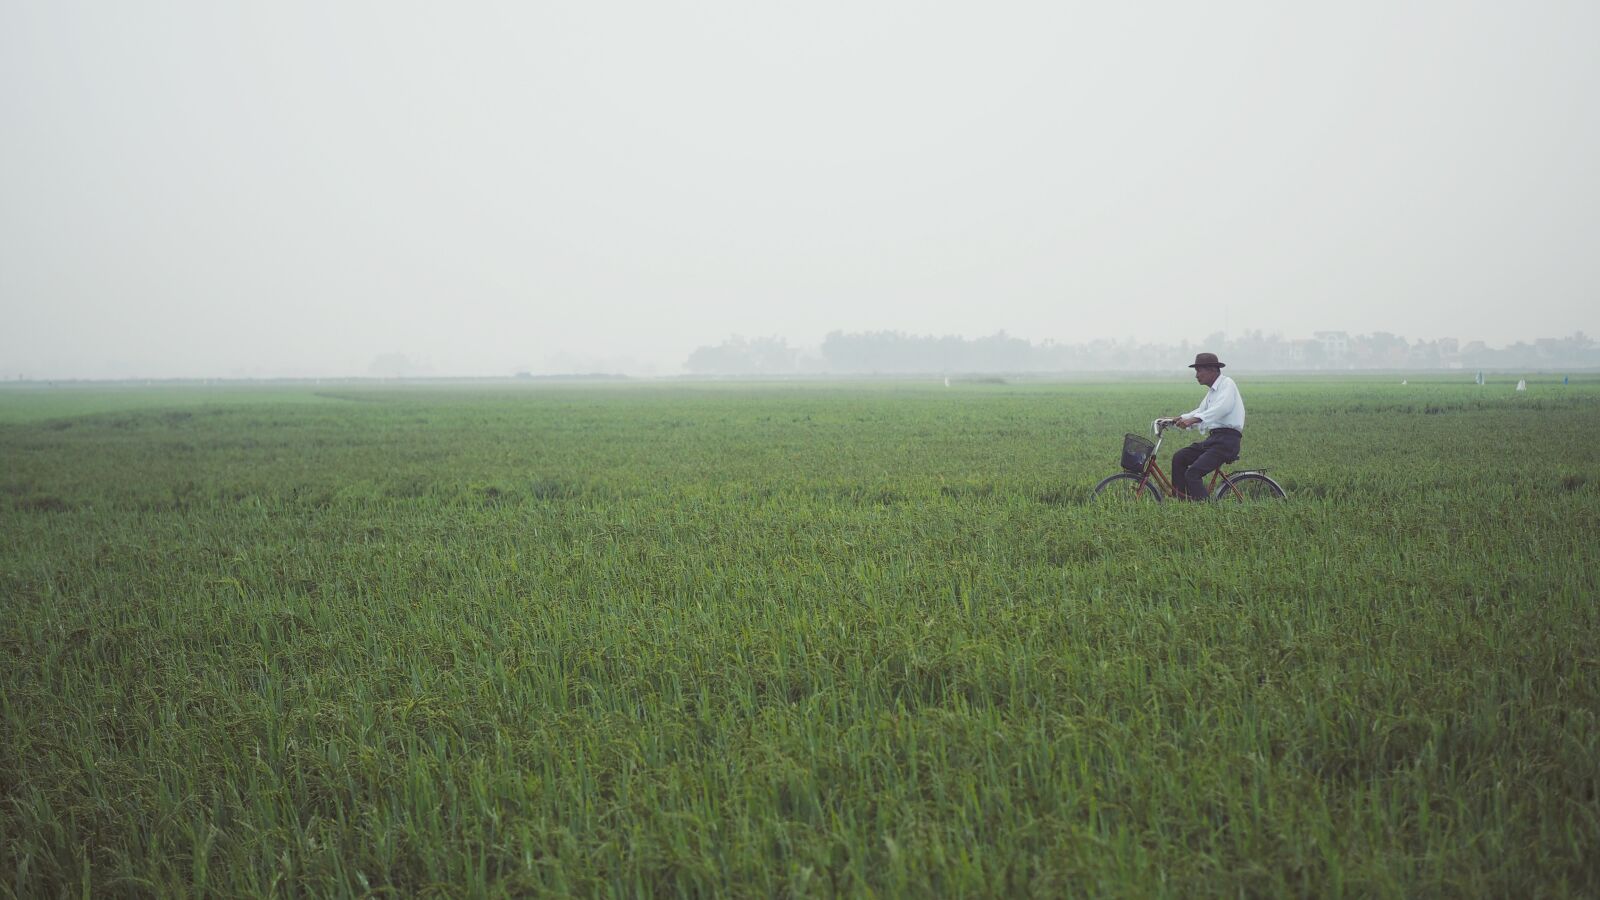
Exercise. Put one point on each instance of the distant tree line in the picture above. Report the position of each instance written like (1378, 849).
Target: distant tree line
(895, 352)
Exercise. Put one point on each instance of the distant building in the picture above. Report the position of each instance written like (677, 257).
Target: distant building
(1450, 353)
(1335, 346)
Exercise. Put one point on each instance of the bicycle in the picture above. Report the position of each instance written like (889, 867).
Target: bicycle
(1142, 477)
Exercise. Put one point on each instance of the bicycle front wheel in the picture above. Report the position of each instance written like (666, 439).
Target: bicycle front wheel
(1125, 488)
(1250, 487)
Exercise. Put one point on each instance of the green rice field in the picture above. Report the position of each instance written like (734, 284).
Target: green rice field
(795, 639)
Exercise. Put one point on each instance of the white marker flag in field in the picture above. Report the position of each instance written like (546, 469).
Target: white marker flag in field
(1522, 385)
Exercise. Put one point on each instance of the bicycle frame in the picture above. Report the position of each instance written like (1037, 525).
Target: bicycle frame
(1152, 469)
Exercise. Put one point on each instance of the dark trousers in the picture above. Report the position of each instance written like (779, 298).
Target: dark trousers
(1193, 463)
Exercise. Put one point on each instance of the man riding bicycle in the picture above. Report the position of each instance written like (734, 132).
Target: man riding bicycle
(1220, 416)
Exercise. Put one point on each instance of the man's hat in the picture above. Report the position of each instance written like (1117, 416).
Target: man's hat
(1206, 359)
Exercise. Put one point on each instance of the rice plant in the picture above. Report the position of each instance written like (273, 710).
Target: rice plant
(808, 639)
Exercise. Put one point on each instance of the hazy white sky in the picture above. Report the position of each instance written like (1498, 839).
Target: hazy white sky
(285, 188)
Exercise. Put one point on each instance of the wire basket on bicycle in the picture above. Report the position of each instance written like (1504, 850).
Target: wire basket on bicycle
(1136, 452)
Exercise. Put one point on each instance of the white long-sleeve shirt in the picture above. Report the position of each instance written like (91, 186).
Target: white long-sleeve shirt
(1221, 408)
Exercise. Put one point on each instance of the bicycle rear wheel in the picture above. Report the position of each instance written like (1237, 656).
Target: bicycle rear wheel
(1250, 487)
(1125, 488)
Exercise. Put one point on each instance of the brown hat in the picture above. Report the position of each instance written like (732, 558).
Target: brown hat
(1206, 359)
